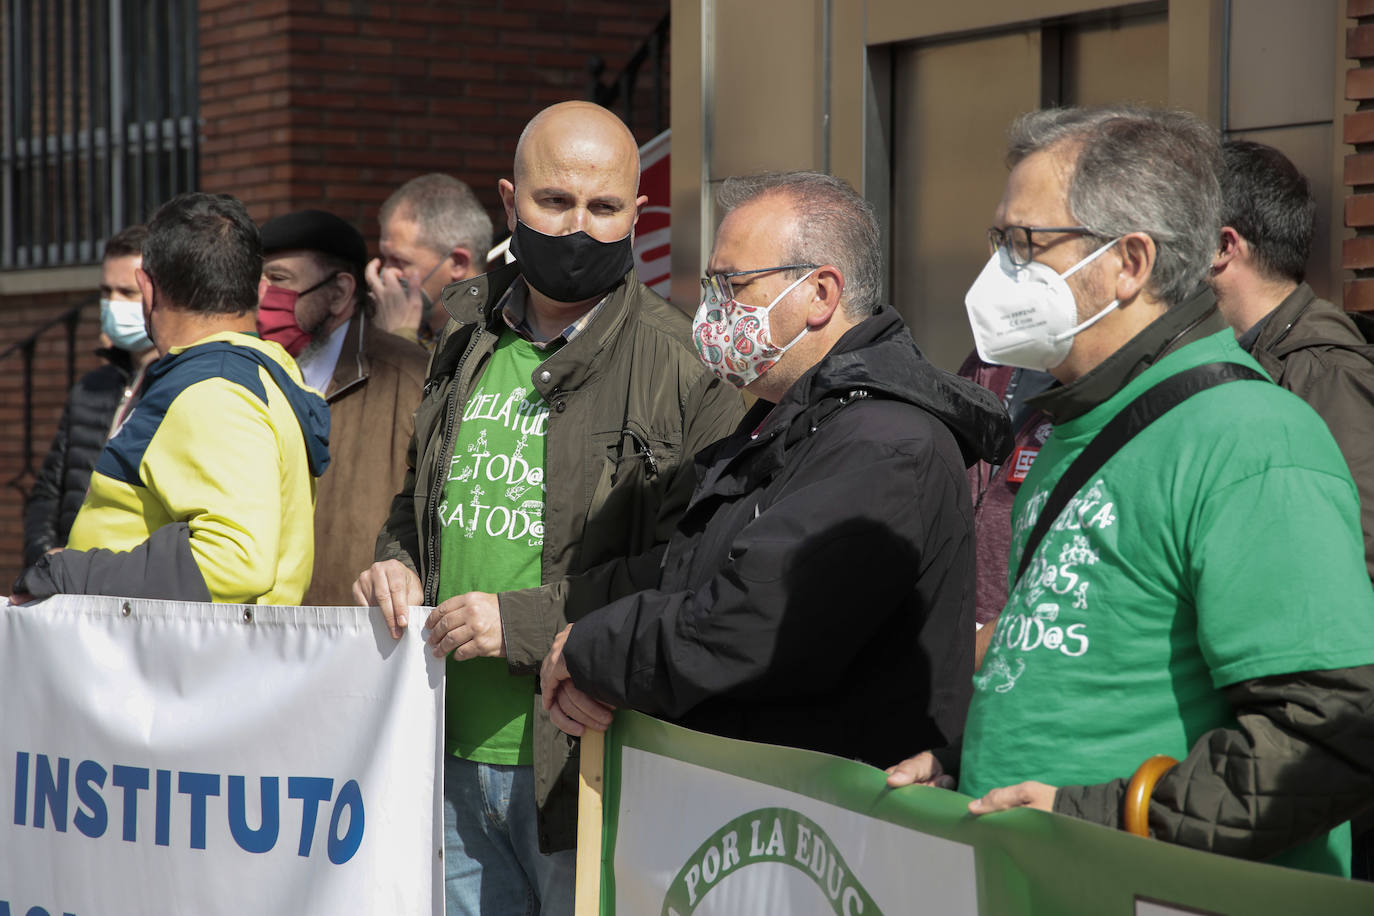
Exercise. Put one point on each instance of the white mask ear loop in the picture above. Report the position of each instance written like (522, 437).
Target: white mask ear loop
(805, 327)
(1079, 328)
(1088, 260)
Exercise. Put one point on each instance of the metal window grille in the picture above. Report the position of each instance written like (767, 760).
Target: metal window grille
(100, 122)
(622, 90)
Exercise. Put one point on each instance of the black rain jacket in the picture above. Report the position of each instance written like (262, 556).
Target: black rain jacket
(819, 590)
(62, 481)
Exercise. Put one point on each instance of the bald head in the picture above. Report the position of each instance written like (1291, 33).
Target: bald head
(576, 170)
(578, 135)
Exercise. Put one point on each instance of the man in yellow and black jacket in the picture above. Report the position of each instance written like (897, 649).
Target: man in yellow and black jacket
(207, 492)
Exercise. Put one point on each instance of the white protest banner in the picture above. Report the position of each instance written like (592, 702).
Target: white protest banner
(170, 757)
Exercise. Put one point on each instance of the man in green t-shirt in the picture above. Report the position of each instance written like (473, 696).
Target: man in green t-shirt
(563, 407)
(1203, 594)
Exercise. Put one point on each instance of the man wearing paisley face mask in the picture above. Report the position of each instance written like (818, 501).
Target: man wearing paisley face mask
(1183, 535)
(817, 591)
(97, 404)
(316, 307)
(563, 406)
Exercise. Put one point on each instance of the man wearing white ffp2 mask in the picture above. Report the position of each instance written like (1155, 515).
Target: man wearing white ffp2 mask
(1184, 532)
(1023, 312)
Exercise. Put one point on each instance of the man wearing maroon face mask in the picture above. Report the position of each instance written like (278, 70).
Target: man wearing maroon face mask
(316, 306)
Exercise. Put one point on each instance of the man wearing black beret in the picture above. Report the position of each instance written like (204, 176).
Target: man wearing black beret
(316, 306)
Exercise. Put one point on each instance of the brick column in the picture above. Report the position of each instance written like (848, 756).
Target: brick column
(335, 103)
(245, 108)
(1357, 254)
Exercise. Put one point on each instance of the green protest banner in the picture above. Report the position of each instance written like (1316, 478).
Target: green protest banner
(694, 824)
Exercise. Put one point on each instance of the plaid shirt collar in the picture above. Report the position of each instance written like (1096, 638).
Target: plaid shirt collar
(514, 308)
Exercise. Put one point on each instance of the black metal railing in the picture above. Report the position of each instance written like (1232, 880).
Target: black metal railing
(27, 349)
(622, 90)
(100, 125)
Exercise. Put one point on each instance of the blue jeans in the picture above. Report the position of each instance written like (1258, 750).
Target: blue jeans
(492, 862)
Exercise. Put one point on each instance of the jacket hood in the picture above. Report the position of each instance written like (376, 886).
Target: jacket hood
(233, 361)
(879, 356)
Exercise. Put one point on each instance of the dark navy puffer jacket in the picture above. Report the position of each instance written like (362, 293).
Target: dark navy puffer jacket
(61, 485)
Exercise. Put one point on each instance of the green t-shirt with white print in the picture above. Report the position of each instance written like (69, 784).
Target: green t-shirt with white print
(492, 516)
(1220, 544)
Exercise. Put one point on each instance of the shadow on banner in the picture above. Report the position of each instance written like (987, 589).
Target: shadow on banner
(171, 757)
(693, 824)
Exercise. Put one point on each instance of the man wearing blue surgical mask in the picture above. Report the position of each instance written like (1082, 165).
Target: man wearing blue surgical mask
(563, 407)
(97, 404)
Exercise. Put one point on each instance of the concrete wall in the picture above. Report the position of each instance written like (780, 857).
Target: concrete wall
(908, 102)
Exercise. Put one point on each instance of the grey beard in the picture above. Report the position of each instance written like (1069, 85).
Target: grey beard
(311, 350)
(317, 340)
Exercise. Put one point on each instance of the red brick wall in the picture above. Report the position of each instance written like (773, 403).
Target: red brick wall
(334, 103)
(1357, 254)
(20, 315)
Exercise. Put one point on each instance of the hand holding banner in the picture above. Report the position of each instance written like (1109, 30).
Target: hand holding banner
(207, 758)
(704, 825)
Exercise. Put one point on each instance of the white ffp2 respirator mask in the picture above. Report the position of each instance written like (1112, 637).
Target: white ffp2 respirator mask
(1024, 316)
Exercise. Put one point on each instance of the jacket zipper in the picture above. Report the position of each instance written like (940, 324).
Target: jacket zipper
(445, 456)
(642, 448)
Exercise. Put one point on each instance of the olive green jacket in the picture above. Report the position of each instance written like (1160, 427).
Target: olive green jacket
(630, 404)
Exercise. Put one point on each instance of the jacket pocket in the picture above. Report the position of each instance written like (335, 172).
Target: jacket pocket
(628, 489)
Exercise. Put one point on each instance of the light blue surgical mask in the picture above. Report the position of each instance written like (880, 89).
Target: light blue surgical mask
(425, 301)
(122, 322)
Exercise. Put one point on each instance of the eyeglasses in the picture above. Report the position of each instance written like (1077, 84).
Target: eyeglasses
(1019, 241)
(718, 287)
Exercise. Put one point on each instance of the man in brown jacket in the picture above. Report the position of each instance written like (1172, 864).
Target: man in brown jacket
(1308, 345)
(563, 407)
(317, 307)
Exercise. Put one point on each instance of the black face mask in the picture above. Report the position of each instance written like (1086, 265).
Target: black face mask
(570, 268)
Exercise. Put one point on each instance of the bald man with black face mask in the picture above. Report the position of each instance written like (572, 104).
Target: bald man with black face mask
(563, 407)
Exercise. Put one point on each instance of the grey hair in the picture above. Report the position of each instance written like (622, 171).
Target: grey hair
(834, 225)
(1138, 170)
(447, 213)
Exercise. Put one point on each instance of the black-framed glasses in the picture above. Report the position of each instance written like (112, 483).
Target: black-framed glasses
(719, 288)
(1019, 241)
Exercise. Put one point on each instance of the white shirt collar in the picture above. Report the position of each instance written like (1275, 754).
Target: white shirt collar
(318, 367)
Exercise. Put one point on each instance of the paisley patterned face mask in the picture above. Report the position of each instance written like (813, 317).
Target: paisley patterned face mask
(732, 338)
